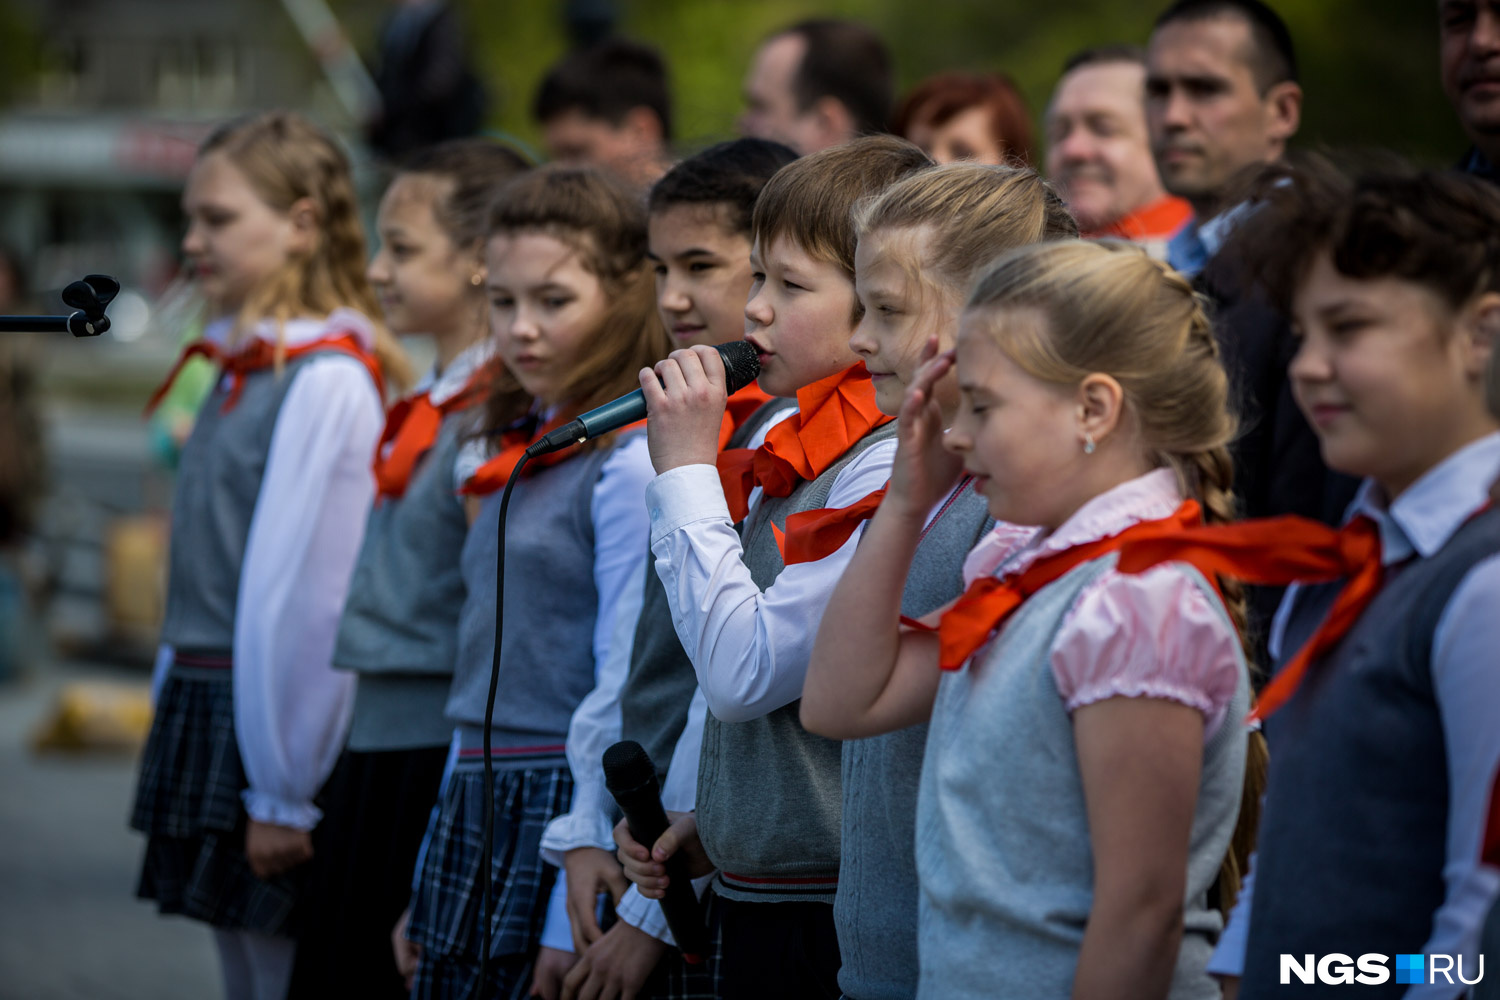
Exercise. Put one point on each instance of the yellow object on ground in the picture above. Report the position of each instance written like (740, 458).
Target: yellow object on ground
(96, 716)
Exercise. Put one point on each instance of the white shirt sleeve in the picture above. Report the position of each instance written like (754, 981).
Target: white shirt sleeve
(749, 649)
(679, 793)
(291, 708)
(165, 654)
(1228, 958)
(556, 933)
(618, 512)
(1463, 675)
(595, 726)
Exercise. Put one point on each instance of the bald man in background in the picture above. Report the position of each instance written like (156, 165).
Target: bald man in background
(1099, 152)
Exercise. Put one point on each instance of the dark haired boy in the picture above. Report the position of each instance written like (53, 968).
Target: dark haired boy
(608, 106)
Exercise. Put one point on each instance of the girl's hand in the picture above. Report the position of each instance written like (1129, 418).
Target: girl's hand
(591, 870)
(648, 869)
(274, 849)
(923, 471)
(408, 953)
(685, 398)
(615, 966)
(548, 972)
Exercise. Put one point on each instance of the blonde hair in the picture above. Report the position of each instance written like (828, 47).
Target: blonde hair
(1109, 308)
(604, 221)
(978, 212)
(811, 201)
(286, 158)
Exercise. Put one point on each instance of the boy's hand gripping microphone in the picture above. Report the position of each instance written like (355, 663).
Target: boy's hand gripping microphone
(631, 779)
(741, 367)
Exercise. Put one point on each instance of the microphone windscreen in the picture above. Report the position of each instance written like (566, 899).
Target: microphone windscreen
(741, 364)
(626, 764)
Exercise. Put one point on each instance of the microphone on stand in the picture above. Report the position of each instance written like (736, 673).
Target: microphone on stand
(741, 367)
(88, 297)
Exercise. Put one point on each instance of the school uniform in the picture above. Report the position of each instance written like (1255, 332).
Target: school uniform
(875, 911)
(768, 794)
(263, 543)
(646, 686)
(398, 637)
(1381, 758)
(1002, 837)
(576, 531)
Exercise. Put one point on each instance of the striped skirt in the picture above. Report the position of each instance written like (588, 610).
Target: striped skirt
(445, 907)
(188, 804)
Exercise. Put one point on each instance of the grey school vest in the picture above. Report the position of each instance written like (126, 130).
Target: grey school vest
(1353, 838)
(547, 649)
(1002, 831)
(399, 630)
(654, 701)
(768, 790)
(876, 906)
(213, 502)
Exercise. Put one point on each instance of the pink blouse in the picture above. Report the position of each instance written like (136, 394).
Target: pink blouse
(1150, 635)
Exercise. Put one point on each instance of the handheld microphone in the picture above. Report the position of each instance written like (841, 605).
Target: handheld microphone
(741, 367)
(631, 779)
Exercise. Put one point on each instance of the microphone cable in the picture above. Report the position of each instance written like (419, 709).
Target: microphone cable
(486, 861)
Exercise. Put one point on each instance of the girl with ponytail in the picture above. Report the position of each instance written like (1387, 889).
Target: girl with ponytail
(1085, 760)
(267, 519)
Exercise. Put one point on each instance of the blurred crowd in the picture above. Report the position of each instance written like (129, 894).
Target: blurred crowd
(1094, 596)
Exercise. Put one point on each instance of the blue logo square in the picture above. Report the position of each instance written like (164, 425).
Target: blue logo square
(1409, 969)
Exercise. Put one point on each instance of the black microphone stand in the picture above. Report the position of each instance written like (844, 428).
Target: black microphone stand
(88, 299)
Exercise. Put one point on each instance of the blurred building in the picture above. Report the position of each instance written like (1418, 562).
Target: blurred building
(93, 154)
(94, 149)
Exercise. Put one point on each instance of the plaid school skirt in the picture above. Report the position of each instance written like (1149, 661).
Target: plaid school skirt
(188, 804)
(445, 907)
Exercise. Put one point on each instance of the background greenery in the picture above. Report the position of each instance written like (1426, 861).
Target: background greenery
(1369, 66)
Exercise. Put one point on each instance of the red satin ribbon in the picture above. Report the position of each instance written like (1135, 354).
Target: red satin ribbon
(833, 414)
(1281, 550)
(412, 425)
(815, 534)
(259, 354)
(494, 474)
(740, 407)
(990, 601)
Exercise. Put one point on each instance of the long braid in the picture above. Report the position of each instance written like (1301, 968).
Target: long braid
(1211, 480)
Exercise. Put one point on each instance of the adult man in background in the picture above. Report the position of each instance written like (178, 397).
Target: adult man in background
(1099, 153)
(1222, 99)
(1469, 53)
(817, 84)
(608, 105)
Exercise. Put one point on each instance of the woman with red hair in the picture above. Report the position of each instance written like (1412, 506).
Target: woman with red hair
(967, 116)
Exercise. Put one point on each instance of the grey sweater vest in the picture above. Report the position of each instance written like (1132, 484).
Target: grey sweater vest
(1002, 830)
(876, 906)
(1353, 839)
(213, 503)
(768, 790)
(399, 630)
(547, 649)
(654, 701)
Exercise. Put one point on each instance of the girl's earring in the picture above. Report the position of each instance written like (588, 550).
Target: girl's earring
(476, 280)
(1088, 444)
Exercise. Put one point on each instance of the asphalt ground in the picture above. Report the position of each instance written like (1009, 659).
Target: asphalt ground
(70, 925)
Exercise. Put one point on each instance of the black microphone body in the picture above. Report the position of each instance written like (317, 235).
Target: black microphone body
(631, 779)
(741, 367)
